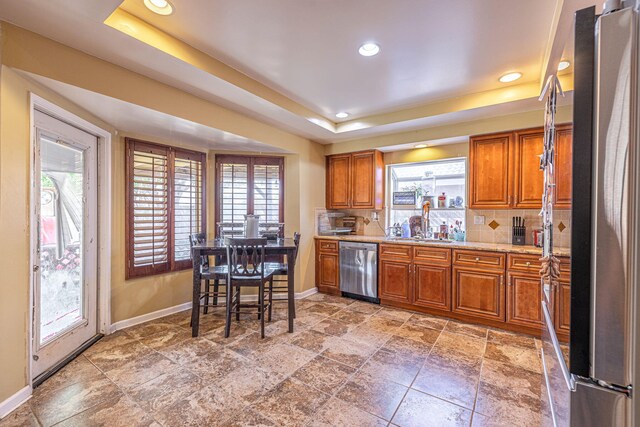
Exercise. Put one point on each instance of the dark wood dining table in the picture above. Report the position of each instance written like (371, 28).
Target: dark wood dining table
(218, 249)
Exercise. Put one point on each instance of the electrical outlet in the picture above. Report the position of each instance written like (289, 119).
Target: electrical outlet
(374, 216)
(478, 219)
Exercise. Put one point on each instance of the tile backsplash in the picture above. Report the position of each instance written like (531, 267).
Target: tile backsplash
(483, 232)
(502, 221)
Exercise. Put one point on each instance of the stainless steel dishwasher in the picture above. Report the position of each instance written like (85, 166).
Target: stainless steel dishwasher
(359, 270)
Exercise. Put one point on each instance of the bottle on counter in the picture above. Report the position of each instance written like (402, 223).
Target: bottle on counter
(444, 230)
(442, 201)
(406, 229)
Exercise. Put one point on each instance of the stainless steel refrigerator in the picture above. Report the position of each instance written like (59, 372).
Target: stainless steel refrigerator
(589, 382)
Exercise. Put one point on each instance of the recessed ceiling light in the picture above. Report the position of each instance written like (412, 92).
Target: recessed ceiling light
(369, 49)
(420, 146)
(510, 77)
(161, 7)
(563, 65)
(342, 115)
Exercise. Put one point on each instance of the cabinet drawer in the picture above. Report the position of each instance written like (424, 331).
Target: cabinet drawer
(327, 246)
(482, 259)
(395, 252)
(524, 263)
(428, 255)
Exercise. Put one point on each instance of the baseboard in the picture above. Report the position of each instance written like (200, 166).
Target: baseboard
(187, 305)
(150, 316)
(307, 293)
(10, 404)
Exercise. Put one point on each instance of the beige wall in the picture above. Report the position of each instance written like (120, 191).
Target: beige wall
(437, 152)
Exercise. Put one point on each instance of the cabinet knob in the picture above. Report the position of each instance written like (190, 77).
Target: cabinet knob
(528, 263)
(477, 259)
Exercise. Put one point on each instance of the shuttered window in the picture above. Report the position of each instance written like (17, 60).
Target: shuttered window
(248, 185)
(188, 209)
(165, 204)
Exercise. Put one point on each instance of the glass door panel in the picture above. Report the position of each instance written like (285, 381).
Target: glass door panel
(61, 238)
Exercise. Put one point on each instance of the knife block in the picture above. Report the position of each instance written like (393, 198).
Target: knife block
(518, 235)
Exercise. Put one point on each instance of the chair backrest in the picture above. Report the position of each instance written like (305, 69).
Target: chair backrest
(197, 239)
(245, 257)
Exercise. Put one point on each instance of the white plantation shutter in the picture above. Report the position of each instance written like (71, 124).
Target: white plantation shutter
(165, 191)
(233, 193)
(187, 203)
(266, 192)
(248, 185)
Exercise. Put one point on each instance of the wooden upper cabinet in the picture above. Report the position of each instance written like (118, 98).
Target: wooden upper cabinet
(489, 168)
(355, 180)
(563, 166)
(528, 178)
(339, 181)
(504, 169)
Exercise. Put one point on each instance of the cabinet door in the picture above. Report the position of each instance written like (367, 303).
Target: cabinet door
(478, 293)
(363, 182)
(328, 270)
(339, 181)
(432, 286)
(395, 281)
(563, 307)
(524, 300)
(489, 171)
(563, 166)
(528, 178)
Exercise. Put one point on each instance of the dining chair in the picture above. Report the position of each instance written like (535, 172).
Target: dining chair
(282, 269)
(247, 268)
(217, 274)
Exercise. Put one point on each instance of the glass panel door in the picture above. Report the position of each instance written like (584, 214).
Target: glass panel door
(65, 257)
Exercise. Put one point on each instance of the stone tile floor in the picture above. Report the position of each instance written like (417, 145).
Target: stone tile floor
(348, 363)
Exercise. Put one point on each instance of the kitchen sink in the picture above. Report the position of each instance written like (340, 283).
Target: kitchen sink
(417, 239)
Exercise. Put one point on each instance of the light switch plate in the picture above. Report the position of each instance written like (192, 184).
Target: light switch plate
(478, 219)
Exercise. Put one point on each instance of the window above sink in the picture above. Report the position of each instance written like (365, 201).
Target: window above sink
(431, 178)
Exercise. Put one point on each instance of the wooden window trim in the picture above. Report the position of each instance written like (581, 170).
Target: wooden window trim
(250, 161)
(131, 145)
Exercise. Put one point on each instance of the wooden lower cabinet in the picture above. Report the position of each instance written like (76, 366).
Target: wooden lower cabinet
(395, 280)
(327, 266)
(479, 293)
(524, 297)
(486, 287)
(432, 286)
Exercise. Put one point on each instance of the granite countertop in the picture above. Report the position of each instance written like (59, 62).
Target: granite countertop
(495, 247)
